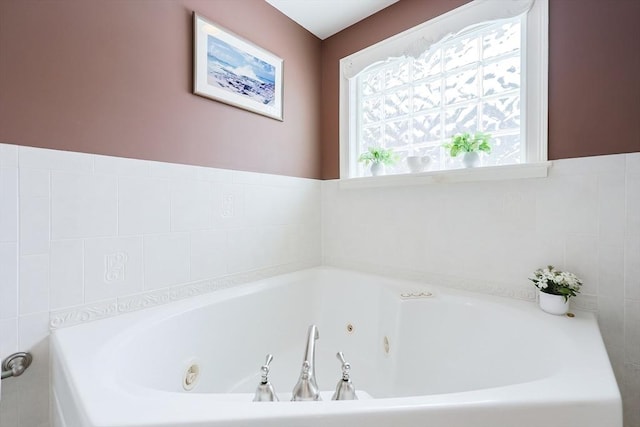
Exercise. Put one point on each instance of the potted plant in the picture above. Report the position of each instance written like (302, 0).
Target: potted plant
(555, 287)
(377, 157)
(470, 146)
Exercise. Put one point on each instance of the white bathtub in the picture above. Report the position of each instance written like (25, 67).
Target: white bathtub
(448, 360)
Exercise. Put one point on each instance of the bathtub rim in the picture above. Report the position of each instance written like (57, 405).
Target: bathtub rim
(89, 403)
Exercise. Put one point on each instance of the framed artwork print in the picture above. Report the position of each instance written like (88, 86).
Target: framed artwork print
(232, 70)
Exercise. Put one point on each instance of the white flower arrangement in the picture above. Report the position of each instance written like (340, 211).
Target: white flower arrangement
(556, 282)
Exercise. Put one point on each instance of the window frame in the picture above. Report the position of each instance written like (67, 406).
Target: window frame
(418, 39)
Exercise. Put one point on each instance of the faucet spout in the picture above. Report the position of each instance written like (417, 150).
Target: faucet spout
(310, 352)
(306, 388)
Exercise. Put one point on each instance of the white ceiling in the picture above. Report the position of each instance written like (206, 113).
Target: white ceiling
(324, 18)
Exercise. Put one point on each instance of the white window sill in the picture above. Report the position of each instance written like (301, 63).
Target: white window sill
(489, 173)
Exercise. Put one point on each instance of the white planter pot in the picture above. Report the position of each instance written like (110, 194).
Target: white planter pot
(553, 304)
(470, 160)
(377, 169)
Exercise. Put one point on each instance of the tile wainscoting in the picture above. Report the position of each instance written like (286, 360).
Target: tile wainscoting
(85, 236)
(490, 236)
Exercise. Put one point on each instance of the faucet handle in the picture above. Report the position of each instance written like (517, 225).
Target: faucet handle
(344, 389)
(265, 368)
(346, 366)
(265, 391)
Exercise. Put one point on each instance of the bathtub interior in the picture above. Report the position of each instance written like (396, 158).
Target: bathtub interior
(397, 347)
(230, 339)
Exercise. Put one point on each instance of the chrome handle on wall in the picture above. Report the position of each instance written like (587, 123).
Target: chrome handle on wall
(16, 364)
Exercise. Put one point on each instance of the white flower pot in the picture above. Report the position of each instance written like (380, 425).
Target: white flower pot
(553, 304)
(377, 169)
(471, 160)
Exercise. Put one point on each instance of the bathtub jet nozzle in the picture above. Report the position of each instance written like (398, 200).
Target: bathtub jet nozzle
(345, 389)
(306, 388)
(265, 391)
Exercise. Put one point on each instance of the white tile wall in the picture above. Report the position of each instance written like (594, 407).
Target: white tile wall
(632, 242)
(229, 205)
(66, 273)
(34, 225)
(8, 280)
(113, 266)
(33, 284)
(191, 205)
(631, 333)
(489, 237)
(143, 206)
(83, 205)
(80, 230)
(54, 160)
(9, 334)
(9, 210)
(84, 234)
(166, 260)
(208, 254)
(631, 395)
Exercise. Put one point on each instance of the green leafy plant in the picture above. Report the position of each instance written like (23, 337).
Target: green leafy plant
(378, 155)
(556, 282)
(465, 143)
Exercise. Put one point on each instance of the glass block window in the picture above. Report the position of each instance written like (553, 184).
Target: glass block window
(469, 82)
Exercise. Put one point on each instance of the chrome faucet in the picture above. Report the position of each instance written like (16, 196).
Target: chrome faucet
(345, 389)
(306, 388)
(265, 391)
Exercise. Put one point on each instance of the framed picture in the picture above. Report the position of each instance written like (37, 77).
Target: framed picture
(232, 70)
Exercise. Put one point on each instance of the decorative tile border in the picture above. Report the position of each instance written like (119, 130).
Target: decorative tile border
(145, 300)
(82, 314)
(125, 304)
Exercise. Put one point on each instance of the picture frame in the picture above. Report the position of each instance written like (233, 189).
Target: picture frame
(232, 70)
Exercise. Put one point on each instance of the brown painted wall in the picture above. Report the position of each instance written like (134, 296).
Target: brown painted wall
(594, 73)
(115, 77)
(594, 77)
